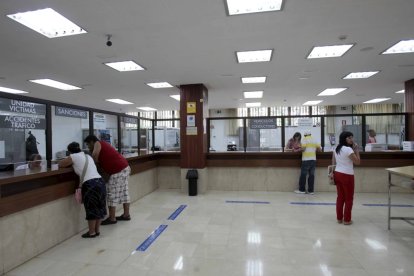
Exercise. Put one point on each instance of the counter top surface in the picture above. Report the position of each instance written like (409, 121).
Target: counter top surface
(407, 171)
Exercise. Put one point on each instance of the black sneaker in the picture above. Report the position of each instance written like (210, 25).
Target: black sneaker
(108, 221)
(121, 217)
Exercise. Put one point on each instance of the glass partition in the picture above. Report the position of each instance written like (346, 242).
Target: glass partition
(302, 125)
(105, 127)
(22, 132)
(68, 125)
(263, 134)
(145, 136)
(129, 133)
(226, 135)
(334, 126)
(384, 132)
(167, 138)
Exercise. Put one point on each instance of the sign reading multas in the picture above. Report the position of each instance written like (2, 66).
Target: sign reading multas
(70, 112)
(267, 123)
(16, 106)
(22, 122)
(129, 120)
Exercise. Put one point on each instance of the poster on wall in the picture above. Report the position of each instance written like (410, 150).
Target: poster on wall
(190, 120)
(99, 121)
(305, 122)
(191, 107)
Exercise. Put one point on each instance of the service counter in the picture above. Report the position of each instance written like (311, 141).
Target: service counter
(38, 211)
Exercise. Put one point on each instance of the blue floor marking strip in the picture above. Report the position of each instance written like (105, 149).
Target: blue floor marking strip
(386, 205)
(154, 235)
(312, 203)
(174, 215)
(244, 201)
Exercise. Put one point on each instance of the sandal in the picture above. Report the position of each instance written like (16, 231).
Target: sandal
(87, 235)
(108, 221)
(121, 217)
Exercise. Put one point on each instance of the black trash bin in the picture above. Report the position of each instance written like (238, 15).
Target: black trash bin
(192, 176)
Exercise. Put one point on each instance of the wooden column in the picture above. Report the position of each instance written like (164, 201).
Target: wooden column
(193, 139)
(409, 107)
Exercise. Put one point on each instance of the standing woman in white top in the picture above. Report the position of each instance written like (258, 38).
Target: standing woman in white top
(93, 188)
(345, 156)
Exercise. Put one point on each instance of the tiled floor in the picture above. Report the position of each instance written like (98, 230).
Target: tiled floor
(212, 237)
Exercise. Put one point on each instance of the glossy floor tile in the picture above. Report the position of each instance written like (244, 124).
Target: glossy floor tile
(212, 237)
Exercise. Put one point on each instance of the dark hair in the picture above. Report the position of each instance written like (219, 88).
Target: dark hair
(342, 140)
(91, 138)
(74, 147)
(35, 157)
(297, 134)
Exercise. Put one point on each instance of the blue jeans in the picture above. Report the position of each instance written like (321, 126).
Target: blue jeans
(307, 167)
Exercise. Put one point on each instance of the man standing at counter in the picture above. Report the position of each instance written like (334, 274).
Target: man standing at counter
(117, 167)
(309, 149)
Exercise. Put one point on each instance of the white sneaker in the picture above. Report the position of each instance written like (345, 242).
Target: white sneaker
(299, 192)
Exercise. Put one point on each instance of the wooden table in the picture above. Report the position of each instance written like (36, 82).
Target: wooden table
(407, 172)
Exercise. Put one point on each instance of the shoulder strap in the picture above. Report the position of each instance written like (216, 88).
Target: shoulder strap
(85, 168)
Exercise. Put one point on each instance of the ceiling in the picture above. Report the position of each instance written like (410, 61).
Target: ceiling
(194, 41)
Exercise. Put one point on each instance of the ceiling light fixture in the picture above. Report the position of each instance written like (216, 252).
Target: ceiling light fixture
(377, 100)
(312, 102)
(400, 92)
(329, 51)
(332, 91)
(253, 79)
(118, 101)
(146, 108)
(235, 7)
(254, 56)
(124, 66)
(253, 104)
(253, 94)
(404, 46)
(55, 84)
(47, 22)
(360, 75)
(12, 91)
(159, 85)
(175, 97)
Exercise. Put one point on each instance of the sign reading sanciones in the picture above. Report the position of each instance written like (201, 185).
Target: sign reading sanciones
(70, 112)
(266, 123)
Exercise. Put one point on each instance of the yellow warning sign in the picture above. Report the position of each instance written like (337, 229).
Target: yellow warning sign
(191, 107)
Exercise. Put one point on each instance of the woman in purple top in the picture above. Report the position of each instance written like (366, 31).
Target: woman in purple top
(294, 143)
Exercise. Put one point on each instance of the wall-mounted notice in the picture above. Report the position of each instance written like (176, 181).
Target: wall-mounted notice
(99, 121)
(305, 122)
(129, 120)
(70, 112)
(2, 150)
(22, 107)
(267, 123)
(22, 122)
(191, 107)
(190, 120)
(191, 130)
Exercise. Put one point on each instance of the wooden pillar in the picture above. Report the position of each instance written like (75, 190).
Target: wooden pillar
(193, 105)
(409, 107)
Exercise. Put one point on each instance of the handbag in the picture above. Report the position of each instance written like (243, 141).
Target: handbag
(78, 191)
(331, 169)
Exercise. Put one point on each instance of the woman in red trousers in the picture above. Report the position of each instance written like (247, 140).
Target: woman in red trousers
(345, 156)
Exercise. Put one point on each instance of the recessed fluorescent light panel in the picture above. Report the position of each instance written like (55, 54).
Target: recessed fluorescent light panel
(175, 97)
(253, 6)
(12, 91)
(146, 108)
(312, 102)
(253, 94)
(118, 101)
(253, 104)
(254, 80)
(331, 91)
(329, 51)
(400, 92)
(404, 46)
(48, 23)
(56, 84)
(360, 75)
(254, 56)
(377, 100)
(159, 85)
(124, 66)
